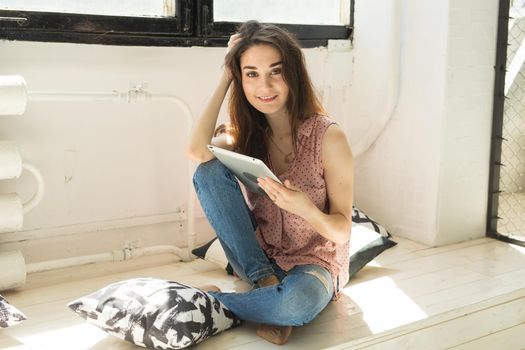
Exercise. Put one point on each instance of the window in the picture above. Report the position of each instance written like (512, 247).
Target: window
(315, 12)
(135, 8)
(506, 207)
(169, 22)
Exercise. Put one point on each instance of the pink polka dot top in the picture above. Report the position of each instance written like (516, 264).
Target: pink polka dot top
(288, 238)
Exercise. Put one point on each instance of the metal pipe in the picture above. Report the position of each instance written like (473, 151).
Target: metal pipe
(112, 256)
(37, 197)
(115, 255)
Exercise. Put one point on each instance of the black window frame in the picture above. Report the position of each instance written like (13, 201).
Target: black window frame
(192, 25)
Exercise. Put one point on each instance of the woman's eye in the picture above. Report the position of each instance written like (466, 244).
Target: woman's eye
(276, 71)
(251, 74)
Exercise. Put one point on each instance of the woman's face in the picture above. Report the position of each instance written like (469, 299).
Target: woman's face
(262, 79)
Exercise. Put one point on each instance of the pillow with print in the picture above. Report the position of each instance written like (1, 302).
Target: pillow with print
(155, 313)
(368, 240)
(9, 315)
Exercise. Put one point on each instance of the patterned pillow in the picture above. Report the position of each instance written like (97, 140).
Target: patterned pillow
(155, 313)
(9, 315)
(365, 245)
(361, 218)
(368, 240)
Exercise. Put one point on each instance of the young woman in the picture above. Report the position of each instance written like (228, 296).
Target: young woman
(292, 245)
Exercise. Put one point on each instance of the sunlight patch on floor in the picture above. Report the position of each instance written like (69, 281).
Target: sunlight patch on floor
(78, 337)
(384, 305)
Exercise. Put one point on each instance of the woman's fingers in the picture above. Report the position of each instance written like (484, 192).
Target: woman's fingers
(272, 188)
(234, 37)
(233, 40)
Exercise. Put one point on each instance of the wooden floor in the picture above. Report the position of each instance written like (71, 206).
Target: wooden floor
(464, 296)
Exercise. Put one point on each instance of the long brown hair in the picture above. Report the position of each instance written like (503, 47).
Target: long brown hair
(248, 126)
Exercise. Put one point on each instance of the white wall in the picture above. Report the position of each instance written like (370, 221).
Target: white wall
(397, 179)
(108, 166)
(467, 122)
(125, 161)
(425, 177)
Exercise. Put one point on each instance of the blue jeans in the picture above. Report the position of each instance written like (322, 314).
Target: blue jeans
(303, 292)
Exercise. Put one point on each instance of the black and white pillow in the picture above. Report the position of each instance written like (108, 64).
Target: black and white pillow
(9, 315)
(361, 218)
(155, 313)
(367, 241)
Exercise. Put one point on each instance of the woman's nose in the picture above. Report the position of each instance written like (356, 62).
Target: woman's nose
(266, 81)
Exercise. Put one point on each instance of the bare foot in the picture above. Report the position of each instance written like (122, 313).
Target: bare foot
(274, 334)
(267, 281)
(209, 288)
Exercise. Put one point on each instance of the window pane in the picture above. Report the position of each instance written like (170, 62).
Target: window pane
(327, 12)
(136, 8)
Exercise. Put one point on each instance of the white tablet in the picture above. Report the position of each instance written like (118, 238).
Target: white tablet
(246, 169)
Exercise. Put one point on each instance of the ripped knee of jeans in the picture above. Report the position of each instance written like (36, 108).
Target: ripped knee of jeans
(321, 277)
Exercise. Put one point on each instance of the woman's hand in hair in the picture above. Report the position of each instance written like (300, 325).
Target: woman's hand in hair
(287, 196)
(234, 39)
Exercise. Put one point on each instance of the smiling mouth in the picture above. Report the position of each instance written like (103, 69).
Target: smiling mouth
(267, 98)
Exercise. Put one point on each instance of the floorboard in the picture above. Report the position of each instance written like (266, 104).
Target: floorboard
(390, 298)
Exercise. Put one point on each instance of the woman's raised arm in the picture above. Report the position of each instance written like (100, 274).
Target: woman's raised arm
(204, 127)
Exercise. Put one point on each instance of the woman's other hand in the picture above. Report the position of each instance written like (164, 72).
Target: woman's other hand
(287, 196)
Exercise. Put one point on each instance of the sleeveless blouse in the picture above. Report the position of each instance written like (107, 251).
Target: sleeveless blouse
(287, 237)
